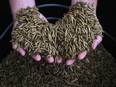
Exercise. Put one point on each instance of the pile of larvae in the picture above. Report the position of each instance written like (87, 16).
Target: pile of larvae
(70, 35)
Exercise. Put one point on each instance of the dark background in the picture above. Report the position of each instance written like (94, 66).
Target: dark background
(105, 13)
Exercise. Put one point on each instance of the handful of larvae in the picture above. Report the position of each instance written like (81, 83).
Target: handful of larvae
(70, 35)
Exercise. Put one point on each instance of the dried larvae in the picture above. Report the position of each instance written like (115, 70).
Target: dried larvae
(69, 36)
(77, 30)
(34, 34)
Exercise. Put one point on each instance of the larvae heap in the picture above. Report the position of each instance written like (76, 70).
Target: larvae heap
(70, 35)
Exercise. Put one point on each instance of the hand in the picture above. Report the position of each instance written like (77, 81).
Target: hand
(96, 41)
(36, 57)
(16, 5)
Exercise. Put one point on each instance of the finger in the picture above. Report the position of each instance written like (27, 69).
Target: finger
(15, 23)
(21, 51)
(43, 18)
(69, 62)
(36, 57)
(50, 59)
(59, 60)
(14, 46)
(82, 55)
(96, 42)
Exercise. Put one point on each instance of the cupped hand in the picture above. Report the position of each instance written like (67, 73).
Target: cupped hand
(96, 41)
(36, 57)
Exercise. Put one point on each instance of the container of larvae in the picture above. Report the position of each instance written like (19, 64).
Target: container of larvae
(98, 69)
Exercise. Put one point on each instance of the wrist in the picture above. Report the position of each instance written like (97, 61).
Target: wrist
(91, 2)
(16, 5)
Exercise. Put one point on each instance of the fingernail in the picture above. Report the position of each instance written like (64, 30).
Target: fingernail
(59, 60)
(37, 57)
(82, 55)
(69, 62)
(21, 51)
(50, 59)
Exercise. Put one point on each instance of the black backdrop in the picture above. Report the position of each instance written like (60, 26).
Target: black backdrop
(105, 12)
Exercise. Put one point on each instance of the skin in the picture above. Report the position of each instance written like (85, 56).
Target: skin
(16, 5)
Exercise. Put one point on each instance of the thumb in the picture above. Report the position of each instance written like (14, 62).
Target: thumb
(43, 18)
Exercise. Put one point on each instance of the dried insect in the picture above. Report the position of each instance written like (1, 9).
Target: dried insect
(67, 37)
